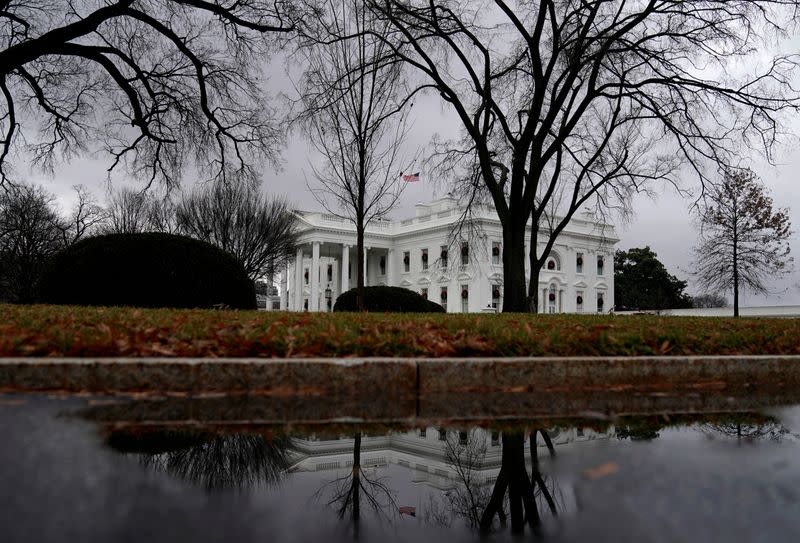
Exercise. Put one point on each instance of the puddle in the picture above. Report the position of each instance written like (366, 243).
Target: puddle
(72, 472)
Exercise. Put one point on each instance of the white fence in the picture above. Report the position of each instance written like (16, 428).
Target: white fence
(785, 311)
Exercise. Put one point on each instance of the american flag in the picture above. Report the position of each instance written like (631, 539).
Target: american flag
(410, 511)
(410, 177)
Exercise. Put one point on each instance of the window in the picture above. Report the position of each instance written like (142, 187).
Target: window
(443, 297)
(305, 304)
(462, 438)
(495, 439)
(496, 252)
(496, 292)
(551, 299)
(465, 298)
(423, 432)
(600, 263)
(424, 293)
(406, 261)
(442, 434)
(330, 273)
(349, 270)
(464, 254)
(443, 257)
(305, 276)
(424, 259)
(600, 302)
(579, 263)
(382, 264)
(579, 301)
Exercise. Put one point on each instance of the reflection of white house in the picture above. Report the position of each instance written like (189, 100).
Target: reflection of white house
(423, 451)
(464, 276)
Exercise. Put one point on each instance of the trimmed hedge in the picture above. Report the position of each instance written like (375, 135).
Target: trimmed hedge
(387, 299)
(147, 270)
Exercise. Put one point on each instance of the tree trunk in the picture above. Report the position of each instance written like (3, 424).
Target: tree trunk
(356, 488)
(360, 264)
(533, 282)
(514, 288)
(735, 274)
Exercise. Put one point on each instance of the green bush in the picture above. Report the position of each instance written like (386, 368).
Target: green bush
(146, 270)
(391, 299)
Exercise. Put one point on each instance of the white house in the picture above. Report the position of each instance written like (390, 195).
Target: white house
(463, 274)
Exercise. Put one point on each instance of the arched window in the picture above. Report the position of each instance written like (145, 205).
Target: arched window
(553, 262)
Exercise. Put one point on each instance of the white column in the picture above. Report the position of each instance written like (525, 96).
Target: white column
(314, 305)
(345, 268)
(390, 280)
(298, 280)
(284, 286)
(560, 300)
(366, 257)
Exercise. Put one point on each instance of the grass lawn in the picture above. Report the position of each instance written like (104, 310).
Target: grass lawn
(81, 331)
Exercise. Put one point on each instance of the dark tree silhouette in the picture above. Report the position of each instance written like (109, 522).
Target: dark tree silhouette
(260, 231)
(129, 211)
(157, 84)
(583, 103)
(641, 282)
(31, 232)
(743, 240)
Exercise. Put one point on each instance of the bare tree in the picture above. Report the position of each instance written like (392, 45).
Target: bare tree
(709, 300)
(588, 101)
(130, 212)
(86, 218)
(743, 240)
(260, 232)
(353, 100)
(31, 232)
(157, 84)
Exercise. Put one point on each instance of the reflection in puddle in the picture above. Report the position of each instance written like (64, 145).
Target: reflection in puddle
(215, 462)
(481, 479)
(720, 477)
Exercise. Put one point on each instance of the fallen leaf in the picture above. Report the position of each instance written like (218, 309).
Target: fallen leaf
(603, 470)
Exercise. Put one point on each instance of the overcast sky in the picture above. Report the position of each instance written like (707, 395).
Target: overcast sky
(665, 224)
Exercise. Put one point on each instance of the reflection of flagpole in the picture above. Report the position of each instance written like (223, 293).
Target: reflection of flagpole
(410, 178)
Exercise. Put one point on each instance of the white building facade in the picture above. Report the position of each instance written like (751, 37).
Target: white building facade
(465, 275)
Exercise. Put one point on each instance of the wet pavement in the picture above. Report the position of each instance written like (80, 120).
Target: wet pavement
(70, 471)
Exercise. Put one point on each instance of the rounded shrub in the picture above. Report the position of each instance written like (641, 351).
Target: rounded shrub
(146, 270)
(387, 299)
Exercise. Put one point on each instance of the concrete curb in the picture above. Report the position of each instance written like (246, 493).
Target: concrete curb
(245, 391)
(399, 375)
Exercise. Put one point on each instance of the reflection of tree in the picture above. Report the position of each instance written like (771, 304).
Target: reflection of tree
(347, 492)
(465, 456)
(225, 461)
(522, 489)
(748, 431)
(743, 426)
